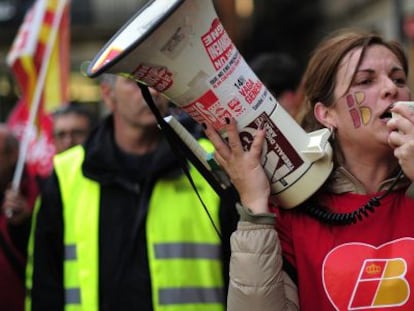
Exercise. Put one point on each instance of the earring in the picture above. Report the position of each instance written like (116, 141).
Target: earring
(332, 129)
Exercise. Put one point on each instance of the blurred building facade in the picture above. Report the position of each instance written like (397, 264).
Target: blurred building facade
(384, 16)
(93, 23)
(254, 26)
(392, 18)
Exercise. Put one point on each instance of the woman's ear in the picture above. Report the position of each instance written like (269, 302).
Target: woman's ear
(324, 115)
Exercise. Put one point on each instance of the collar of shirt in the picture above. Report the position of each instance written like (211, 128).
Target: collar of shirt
(343, 181)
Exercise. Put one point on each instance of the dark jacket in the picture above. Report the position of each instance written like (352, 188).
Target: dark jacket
(126, 185)
(13, 245)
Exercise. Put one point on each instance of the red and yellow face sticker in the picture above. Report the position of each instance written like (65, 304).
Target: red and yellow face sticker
(361, 115)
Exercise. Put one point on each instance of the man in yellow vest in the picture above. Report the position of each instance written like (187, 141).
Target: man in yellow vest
(120, 227)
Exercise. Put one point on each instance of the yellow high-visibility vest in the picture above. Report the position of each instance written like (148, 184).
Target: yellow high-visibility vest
(183, 247)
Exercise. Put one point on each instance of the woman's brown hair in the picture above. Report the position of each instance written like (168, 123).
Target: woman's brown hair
(320, 75)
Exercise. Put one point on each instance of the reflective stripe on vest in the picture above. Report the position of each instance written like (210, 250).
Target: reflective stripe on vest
(30, 250)
(185, 265)
(191, 254)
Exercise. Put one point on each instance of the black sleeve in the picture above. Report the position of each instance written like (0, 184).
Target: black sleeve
(47, 291)
(19, 235)
(228, 224)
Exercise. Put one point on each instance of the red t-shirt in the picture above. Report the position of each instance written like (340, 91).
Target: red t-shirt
(364, 266)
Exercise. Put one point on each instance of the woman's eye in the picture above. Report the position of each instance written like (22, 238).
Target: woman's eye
(400, 81)
(363, 82)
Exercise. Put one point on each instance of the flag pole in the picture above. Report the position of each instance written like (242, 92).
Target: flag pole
(24, 146)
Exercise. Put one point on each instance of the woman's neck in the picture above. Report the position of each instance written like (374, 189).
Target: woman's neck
(371, 172)
(370, 167)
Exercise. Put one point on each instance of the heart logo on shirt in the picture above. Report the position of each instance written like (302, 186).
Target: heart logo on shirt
(358, 276)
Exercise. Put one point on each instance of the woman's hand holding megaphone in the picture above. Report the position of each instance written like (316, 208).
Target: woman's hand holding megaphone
(243, 166)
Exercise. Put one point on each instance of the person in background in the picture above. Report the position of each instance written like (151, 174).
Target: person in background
(350, 246)
(120, 226)
(72, 124)
(281, 73)
(16, 210)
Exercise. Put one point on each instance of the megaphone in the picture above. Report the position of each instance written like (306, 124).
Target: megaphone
(180, 48)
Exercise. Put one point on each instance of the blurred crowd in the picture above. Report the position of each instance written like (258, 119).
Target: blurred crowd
(126, 154)
(124, 221)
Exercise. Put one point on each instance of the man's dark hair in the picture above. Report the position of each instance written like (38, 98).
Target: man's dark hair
(75, 108)
(278, 71)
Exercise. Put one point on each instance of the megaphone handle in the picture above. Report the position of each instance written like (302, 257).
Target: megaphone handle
(198, 151)
(174, 140)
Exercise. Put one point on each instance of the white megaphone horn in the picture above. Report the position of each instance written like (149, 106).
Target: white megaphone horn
(180, 48)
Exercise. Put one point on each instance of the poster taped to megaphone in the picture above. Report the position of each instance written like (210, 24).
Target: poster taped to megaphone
(181, 49)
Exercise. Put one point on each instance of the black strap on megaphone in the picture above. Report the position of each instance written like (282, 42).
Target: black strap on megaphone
(180, 148)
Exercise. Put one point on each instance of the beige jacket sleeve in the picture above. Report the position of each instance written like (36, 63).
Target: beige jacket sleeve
(257, 281)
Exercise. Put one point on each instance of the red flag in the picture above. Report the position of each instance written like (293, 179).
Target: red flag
(39, 59)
